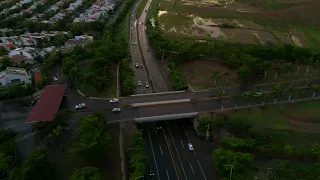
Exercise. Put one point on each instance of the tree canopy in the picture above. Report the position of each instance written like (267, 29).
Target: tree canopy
(87, 173)
(93, 137)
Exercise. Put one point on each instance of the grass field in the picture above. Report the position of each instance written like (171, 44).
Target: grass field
(249, 21)
(297, 124)
(198, 74)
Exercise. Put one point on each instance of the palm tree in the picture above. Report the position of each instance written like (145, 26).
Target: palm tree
(317, 65)
(248, 95)
(277, 92)
(309, 61)
(291, 90)
(262, 97)
(236, 97)
(300, 95)
(216, 75)
(315, 89)
(299, 62)
(266, 66)
(226, 74)
(288, 68)
(277, 70)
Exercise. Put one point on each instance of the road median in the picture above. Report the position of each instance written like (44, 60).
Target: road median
(156, 103)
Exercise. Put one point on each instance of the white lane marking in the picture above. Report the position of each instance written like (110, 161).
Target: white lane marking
(167, 174)
(191, 168)
(194, 153)
(161, 150)
(186, 133)
(154, 157)
(202, 170)
(182, 143)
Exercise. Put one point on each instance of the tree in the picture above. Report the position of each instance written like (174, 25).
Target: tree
(277, 70)
(6, 62)
(288, 68)
(5, 163)
(216, 75)
(291, 90)
(277, 92)
(137, 156)
(37, 166)
(309, 61)
(236, 97)
(239, 161)
(94, 139)
(3, 51)
(288, 149)
(87, 173)
(248, 95)
(226, 74)
(203, 124)
(243, 73)
(266, 66)
(317, 65)
(315, 89)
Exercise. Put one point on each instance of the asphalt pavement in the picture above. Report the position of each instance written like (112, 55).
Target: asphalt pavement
(169, 155)
(155, 75)
(141, 70)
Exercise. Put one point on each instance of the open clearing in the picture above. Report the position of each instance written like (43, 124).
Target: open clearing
(198, 74)
(297, 124)
(253, 21)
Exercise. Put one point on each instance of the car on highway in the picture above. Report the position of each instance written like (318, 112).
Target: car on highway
(116, 110)
(190, 147)
(81, 106)
(158, 127)
(147, 85)
(141, 65)
(139, 83)
(114, 100)
(151, 171)
(34, 102)
(137, 65)
(55, 79)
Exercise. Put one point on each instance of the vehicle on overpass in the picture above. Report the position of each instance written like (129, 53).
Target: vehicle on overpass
(115, 100)
(116, 110)
(81, 106)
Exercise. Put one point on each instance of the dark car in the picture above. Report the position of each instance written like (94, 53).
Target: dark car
(158, 127)
(151, 171)
(34, 102)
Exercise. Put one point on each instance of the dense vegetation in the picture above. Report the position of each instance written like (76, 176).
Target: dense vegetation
(7, 151)
(137, 156)
(87, 173)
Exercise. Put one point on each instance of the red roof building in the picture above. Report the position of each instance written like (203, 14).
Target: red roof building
(48, 104)
(37, 78)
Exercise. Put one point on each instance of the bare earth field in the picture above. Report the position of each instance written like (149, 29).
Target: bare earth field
(251, 21)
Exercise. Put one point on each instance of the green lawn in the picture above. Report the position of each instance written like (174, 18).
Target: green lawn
(295, 124)
(140, 7)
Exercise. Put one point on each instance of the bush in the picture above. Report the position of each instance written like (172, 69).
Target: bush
(137, 157)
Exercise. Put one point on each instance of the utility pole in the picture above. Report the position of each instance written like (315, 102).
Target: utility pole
(231, 167)
(207, 132)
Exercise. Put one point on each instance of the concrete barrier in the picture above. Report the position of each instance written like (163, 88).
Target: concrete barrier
(155, 103)
(150, 94)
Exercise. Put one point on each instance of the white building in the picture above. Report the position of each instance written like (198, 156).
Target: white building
(27, 52)
(14, 75)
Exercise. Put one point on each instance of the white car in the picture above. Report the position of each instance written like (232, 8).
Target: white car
(55, 79)
(116, 110)
(137, 65)
(81, 106)
(147, 85)
(190, 147)
(139, 83)
(114, 100)
(257, 94)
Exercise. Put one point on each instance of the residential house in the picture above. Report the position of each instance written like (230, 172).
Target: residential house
(27, 52)
(14, 75)
(78, 41)
(20, 59)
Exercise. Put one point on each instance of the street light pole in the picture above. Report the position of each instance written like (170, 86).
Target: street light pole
(231, 167)
(139, 177)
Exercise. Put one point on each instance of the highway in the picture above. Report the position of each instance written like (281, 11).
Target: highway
(155, 75)
(169, 155)
(140, 72)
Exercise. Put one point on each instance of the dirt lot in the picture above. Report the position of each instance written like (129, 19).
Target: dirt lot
(296, 124)
(198, 74)
(253, 21)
